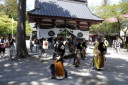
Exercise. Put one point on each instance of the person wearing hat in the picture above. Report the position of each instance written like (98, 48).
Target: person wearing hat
(57, 68)
(99, 54)
(78, 51)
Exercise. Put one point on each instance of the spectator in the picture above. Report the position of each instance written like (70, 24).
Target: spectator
(106, 43)
(117, 46)
(2, 46)
(31, 46)
(11, 46)
(36, 41)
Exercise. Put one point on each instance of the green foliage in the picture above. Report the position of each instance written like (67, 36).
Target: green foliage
(8, 10)
(64, 34)
(10, 7)
(127, 47)
(6, 25)
(104, 28)
(109, 11)
(124, 1)
(124, 23)
(105, 2)
(29, 29)
(112, 10)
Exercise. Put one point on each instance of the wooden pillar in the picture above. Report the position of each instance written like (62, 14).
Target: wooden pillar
(37, 23)
(65, 23)
(78, 24)
(54, 22)
(89, 24)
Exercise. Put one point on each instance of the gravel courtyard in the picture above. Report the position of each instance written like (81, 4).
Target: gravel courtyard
(35, 70)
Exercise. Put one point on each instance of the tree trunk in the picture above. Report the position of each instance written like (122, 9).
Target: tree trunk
(123, 41)
(21, 33)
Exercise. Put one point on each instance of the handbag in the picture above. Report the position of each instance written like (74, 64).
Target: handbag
(4, 46)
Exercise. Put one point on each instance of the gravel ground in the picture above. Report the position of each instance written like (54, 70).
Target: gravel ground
(35, 70)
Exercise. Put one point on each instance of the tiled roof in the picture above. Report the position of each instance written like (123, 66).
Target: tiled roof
(61, 8)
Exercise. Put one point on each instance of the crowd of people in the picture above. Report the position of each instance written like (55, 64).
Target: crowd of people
(7, 43)
(78, 48)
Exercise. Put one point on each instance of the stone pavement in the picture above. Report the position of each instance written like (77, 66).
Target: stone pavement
(35, 70)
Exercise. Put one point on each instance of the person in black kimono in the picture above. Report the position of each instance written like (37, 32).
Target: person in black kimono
(57, 68)
(84, 44)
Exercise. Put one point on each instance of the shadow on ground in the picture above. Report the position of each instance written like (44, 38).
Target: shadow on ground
(33, 71)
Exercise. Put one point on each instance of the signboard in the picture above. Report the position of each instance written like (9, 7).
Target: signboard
(45, 44)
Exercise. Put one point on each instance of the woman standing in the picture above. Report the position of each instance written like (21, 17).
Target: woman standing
(2, 46)
(11, 46)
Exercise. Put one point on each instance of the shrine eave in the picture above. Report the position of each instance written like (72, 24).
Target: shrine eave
(34, 18)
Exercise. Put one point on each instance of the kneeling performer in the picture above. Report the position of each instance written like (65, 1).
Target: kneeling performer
(57, 68)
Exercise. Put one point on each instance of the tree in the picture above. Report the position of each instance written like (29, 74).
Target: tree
(113, 11)
(105, 2)
(6, 25)
(21, 35)
(124, 1)
(10, 8)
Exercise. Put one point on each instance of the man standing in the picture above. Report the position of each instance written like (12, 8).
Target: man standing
(78, 51)
(84, 44)
(117, 46)
(106, 43)
(99, 54)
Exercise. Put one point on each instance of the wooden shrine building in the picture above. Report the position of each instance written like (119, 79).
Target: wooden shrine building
(71, 14)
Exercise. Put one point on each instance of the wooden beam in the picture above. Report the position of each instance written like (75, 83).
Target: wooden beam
(78, 24)
(83, 25)
(85, 29)
(62, 18)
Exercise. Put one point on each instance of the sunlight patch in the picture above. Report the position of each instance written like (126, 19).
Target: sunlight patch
(11, 82)
(70, 77)
(18, 70)
(31, 73)
(44, 79)
(81, 74)
(34, 83)
(24, 83)
(7, 65)
(101, 76)
(15, 64)
(1, 76)
(120, 79)
(46, 83)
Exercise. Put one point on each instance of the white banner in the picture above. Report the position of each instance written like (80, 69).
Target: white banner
(80, 34)
(48, 33)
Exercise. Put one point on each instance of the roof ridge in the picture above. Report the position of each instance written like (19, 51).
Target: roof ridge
(73, 2)
(70, 1)
(67, 9)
